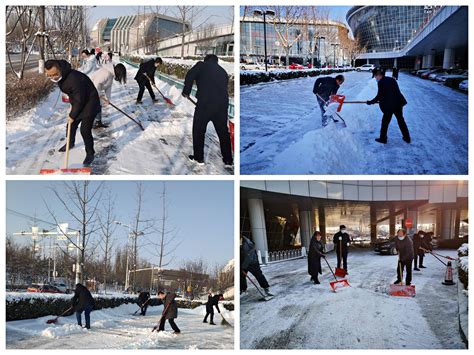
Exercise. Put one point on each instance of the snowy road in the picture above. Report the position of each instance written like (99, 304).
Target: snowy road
(364, 316)
(162, 149)
(117, 329)
(281, 130)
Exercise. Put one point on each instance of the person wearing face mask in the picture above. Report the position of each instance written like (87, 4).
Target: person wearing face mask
(391, 102)
(84, 100)
(342, 241)
(315, 253)
(421, 243)
(148, 68)
(404, 246)
(89, 63)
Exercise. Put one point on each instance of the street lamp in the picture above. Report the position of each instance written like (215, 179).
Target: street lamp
(128, 251)
(264, 13)
(334, 45)
(319, 49)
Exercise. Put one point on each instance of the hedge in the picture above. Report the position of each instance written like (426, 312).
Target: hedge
(251, 77)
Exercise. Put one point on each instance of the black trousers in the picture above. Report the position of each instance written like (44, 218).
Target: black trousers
(86, 133)
(343, 259)
(421, 256)
(142, 85)
(209, 312)
(203, 114)
(143, 309)
(255, 270)
(406, 268)
(387, 117)
(171, 322)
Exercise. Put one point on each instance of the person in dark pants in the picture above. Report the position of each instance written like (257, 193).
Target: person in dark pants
(212, 301)
(315, 253)
(249, 263)
(342, 241)
(148, 68)
(82, 302)
(143, 300)
(212, 106)
(170, 311)
(421, 243)
(395, 72)
(323, 88)
(404, 246)
(84, 99)
(391, 102)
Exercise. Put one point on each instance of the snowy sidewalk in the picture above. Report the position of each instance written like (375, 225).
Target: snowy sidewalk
(33, 139)
(116, 328)
(364, 316)
(281, 130)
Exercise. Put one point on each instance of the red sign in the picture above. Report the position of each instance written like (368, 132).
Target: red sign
(408, 223)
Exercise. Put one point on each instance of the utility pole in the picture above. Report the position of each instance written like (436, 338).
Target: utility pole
(42, 35)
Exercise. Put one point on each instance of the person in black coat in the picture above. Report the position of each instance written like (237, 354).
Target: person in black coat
(212, 301)
(249, 263)
(323, 88)
(84, 99)
(143, 300)
(148, 68)
(404, 246)
(395, 72)
(315, 253)
(170, 311)
(421, 243)
(391, 102)
(342, 241)
(82, 302)
(212, 106)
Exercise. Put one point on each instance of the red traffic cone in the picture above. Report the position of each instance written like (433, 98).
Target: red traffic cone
(448, 277)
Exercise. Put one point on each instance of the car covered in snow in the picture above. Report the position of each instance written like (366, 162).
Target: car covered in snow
(43, 289)
(365, 67)
(463, 85)
(386, 247)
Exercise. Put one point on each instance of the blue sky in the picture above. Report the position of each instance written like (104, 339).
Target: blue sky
(202, 211)
(213, 14)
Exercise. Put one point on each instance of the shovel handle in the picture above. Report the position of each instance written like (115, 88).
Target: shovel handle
(355, 102)
(66, 158)
(327, 262)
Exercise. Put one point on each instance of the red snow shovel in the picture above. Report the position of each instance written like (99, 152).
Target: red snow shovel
(67, 170)
(54, 320)
(338, 284)
(401, 290)
(167, 100)
(339, 271)
(331, 114)
(341, 99)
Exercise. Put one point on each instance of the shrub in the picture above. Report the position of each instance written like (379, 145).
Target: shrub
(251, 77)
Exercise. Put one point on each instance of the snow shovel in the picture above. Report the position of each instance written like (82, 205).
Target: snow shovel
(54, 320)
(192, 100)
(339, 271)
(341, 99)
(337, 284)
(225, 322)
(443, 256)
(139, 309)
(67, 170)
(156, 327)
(401, 290)
(331, 111)
(126, 114)
(264, 298)
(167, 100)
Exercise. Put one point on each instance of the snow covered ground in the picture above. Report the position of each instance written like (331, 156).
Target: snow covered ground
(33, 138)
(364, 316)
(116, 328)
(281, 130)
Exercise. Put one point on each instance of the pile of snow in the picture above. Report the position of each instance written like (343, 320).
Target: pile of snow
(463, 263)
(229, 266)
(463, 249)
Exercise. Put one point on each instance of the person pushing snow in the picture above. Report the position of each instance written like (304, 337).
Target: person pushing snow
(170, 311)
(143, 301)
(342, 241)
(249, 263)
(323, 88)
(404, 246)
(212, 301)
(315, 253)
(391, 102)
(83, 302)
(147, 69)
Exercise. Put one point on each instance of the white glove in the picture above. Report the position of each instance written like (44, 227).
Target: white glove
(347, 244)
(340, 238)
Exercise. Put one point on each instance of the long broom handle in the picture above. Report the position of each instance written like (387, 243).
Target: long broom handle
(164, 313)
(327, 262)
(434, 254)
(253, 283)
(355, 102)
(66, 158)
(154, 85)
(325, 102)
(126, 114)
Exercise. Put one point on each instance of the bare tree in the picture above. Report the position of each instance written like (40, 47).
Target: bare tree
(205, 39)
(187, 16)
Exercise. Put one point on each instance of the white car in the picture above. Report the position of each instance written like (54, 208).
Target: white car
(366, 67)
(463, 85)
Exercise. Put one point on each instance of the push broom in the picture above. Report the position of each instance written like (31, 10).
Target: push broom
(167, 100)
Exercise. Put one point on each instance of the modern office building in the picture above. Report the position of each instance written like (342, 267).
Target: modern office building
(322, 41)
(282, 215)
(411, 36)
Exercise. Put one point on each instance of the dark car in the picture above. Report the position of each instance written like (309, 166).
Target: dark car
(386, 247)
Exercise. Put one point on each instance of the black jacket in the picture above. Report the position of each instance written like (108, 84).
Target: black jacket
(316, 251)
(248, 254)
(325, 87)
(213, 301)
(143, 297)
(389, 95)
(419, 242)
(405, 249)
(211, 81)
(82, 93)
(170, 306)
(147, 68)
(341, 244)
(82, 298)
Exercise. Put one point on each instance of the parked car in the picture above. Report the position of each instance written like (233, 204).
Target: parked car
(61, 287)
(463, 85)
(365, 67)
(457, 73)
(425, 70)
(43, 289)
(295, 66)
(386, 247)
(433, 73)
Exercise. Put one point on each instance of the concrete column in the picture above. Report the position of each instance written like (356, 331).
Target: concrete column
(395, 62)
(391, 221)
(448, 58)
(447, 231)
(373, 224)
(322, 221)
(257, 225)
(429, 60)
(457, 222)
(439, 223)
(306, 228)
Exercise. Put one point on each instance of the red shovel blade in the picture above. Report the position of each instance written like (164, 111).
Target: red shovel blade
(402, 290)
(335, 285)
(52, 321)
(76, 171)
(340, 272)
(339, 99)
(168, 101)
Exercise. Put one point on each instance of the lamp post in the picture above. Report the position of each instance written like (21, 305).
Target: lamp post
(128, 252)
(264, 13)
(334, 45)
(319, 49)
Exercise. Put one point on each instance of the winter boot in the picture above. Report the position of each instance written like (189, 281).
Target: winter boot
(316, 281)
(198, 162)
(383, 141)
(416, 269)
(155, 101)
(212, 323)
(139, 102)
(397, 282)
(422, 267)
(89, 159)
(99, 124)
(204, 321)
(63, 148)
(228, 164)
(267, 292)
(408, 140)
